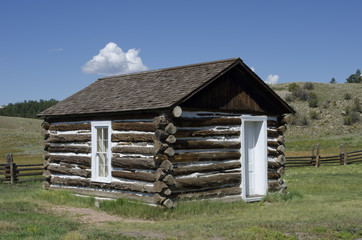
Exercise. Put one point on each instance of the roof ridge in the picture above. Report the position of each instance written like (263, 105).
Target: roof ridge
(172, 68)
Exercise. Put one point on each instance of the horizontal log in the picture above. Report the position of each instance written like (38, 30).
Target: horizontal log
(69, 171)
(273, 143)
(46, 155)
(86, 161)
(134, 150)
(273, 163)
(273, 133)
(208, 181)
(29, 174)
(170, 139)
(161, 134)
(286, 119)
(273, 152)
(182, 133)
(205, 156)
(170, 129)
(220, 192)
(219, 166)
(202, 144)
(202, 122)
(160, 174)
(68, 148)
(170, 152)
(168, 203)
(70, 127)
(158, 199)
(275, 185)
(273, 174)
(134, 163)
(282, 129)
(272, 123)
(45, 125)
(166, 166)
(159, 186)
(130, 137)
(142, 176)
(169, 180)
(177, 111)
(124, 186)
(61, 138)
(69, 165)
(107, 194)
(45, 134)
(134, 126)
(159, 146)
(160, 122)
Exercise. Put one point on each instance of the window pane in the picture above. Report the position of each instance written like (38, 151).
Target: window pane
(102, 164)
(99, 140)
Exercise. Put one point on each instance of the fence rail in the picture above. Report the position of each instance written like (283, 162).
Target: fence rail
(15, 173)
(343, 158)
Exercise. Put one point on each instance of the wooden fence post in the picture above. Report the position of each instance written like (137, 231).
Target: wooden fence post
(9, 161)
(313, 156)
(317, 157)
(341, 154)
(345, 154)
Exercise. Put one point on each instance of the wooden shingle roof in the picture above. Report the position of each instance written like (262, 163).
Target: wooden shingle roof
(155, 89)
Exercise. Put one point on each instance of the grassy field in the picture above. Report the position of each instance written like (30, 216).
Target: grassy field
(323, 203)
(22, 138)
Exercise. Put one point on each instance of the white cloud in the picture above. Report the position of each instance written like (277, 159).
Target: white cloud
(252, 69)
(111, 60)
(272, 79)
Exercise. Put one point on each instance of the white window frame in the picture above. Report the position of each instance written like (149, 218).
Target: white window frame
(262, 149)
(95, 166)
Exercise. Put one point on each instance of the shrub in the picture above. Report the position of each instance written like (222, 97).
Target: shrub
(347, 120)
(313, 114)
(313, 102)
(300, 120)
(354, 117)
(347, 96)
(308, 86)
(293, 87)
(289, 98)
(356, 106)
(326, 104)
(302, 94)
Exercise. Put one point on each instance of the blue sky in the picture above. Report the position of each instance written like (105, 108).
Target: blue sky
(44, 44)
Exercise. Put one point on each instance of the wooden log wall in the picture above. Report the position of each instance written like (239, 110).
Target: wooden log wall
(207, 163)
(177, 155)
(67, 158)
(277, 126)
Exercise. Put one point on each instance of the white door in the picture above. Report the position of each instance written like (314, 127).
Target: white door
(254, 157)
(250, 158)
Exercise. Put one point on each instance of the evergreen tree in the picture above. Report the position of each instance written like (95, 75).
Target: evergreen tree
(355, 78)
(333, 80)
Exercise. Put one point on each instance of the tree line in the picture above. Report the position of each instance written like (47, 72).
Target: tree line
(27, 109)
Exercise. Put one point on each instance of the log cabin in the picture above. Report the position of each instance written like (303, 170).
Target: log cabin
(201, 131)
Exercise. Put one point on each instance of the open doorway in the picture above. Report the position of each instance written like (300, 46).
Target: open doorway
(254, 157)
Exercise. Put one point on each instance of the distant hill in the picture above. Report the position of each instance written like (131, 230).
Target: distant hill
(325, 123)
(26, 109)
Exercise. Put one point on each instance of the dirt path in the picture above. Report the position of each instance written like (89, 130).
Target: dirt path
(88, 215)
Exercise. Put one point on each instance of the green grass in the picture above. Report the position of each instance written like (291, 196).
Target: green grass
(323, 203)
(22, 138)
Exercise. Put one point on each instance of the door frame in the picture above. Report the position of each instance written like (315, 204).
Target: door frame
(261, 163)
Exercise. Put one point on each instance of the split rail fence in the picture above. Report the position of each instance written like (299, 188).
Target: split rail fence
(316, 159)
(14, 173)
